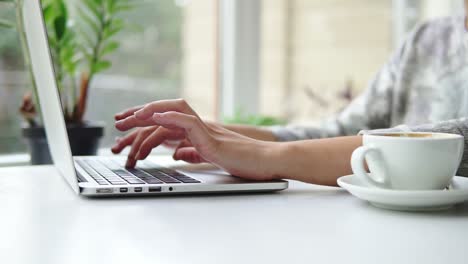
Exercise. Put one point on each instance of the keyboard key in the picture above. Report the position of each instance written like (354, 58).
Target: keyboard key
(188, 180)
(171, 172)
(169, 180)
(156, 173)
(111, 179)
(118, 183)
(130, 178)
(102, 182)
(134, 171)
(135, 181)
(152, 181)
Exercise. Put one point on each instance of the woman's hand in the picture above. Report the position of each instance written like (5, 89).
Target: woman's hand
(144, 137)
(162, 121)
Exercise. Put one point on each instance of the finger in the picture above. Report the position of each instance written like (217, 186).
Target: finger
(131, 122)
(178, 105)
(171, 143)
(194, 128)
(188, 154)
(128, 112)
(156, 138)
(144, 133)
(123, 142)
(183, 144)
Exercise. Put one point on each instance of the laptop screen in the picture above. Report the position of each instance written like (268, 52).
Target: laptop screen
(47, 89)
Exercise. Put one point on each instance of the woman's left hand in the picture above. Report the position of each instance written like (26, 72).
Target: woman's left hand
(160, 121)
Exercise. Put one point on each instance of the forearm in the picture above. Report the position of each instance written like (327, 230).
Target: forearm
(255, 132)
(319, 161)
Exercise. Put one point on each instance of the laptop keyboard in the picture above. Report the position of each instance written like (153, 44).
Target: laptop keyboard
(110, 172)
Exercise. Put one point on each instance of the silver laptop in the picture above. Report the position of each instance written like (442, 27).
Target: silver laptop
(107, 176)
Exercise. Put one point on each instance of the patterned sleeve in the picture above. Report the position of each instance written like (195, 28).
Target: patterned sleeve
(455, 126)
(370, 110)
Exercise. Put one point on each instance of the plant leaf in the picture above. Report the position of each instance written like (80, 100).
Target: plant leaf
(110, 32)
(60, 24)
(49, 14)
(93, 7)
(115, 26)
(101, 66)
(58, 15)
(91, 22)
(109, 48)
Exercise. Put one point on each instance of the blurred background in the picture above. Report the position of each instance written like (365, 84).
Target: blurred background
(295, 60)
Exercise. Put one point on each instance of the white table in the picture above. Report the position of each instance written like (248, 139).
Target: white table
(43, 221)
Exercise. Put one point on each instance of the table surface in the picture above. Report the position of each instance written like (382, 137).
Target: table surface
(43, 221)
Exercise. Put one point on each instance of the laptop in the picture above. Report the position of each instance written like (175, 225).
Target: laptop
(107, 176)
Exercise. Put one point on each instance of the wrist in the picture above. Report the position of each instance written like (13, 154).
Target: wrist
(255, 132)
(276, 154)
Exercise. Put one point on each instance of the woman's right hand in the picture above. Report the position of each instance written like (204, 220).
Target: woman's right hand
(161, 121)
(139, 137)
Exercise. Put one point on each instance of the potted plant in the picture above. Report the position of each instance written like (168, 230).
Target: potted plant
(80, 45)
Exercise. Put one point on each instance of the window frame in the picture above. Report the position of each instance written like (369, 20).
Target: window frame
(239, 64)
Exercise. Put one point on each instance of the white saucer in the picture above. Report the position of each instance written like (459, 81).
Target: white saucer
(407, 200)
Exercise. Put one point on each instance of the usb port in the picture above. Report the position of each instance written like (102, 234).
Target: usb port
(104, 190)
(138, 189)
(154, 189)
(123, 190)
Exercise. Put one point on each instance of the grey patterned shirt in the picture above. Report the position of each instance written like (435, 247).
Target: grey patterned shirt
(423, 87)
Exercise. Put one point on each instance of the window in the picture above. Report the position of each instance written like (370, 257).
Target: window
(316, 56)
(168, 53)
(297, 60)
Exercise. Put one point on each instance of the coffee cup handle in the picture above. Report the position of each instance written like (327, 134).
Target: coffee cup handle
(357, 164)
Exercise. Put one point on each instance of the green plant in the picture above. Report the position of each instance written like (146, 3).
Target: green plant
(80, 49)
(80, 45)
(258, 120)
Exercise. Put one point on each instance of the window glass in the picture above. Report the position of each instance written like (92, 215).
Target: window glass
(167, 51)
(317, 56)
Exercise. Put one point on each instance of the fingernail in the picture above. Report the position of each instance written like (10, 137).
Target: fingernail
(117, 139)
(139, 113)
(119, 123)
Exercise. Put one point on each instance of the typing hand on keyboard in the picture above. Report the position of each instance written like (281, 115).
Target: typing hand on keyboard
(148, 137)
(160, 121)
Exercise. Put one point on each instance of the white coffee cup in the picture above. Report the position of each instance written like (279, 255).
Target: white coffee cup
(408, 161)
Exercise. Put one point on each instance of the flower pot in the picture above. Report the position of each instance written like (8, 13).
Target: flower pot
(84, 141)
